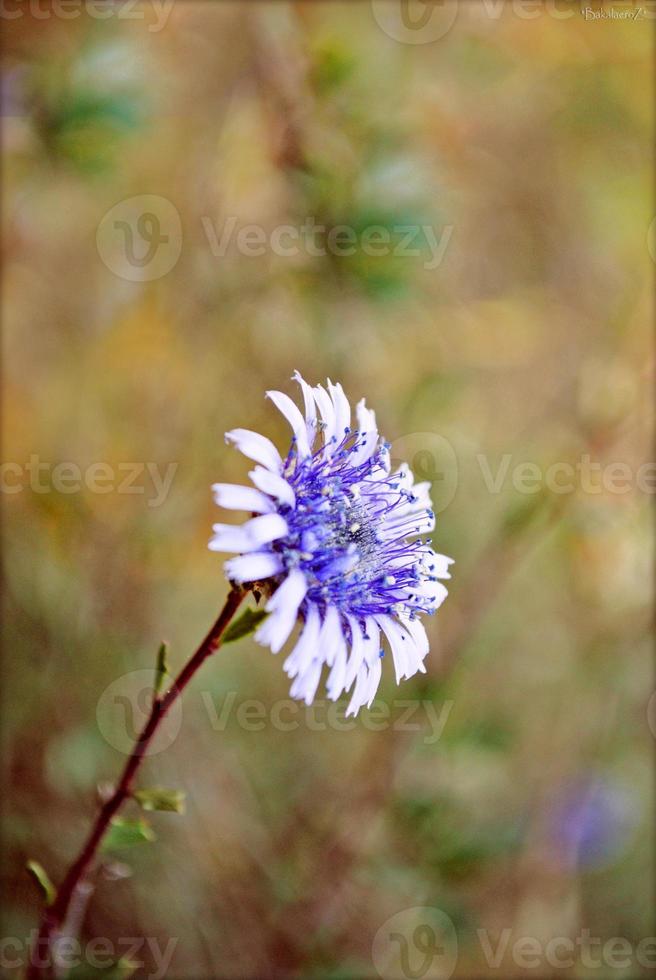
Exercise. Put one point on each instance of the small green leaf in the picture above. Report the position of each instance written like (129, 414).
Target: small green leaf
(158, 798)
(247, 623)
(121, 970)
(126, 968)
(162, 669)
(42, 879)
(125, 833)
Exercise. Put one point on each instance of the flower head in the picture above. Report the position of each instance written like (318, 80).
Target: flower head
(339, 537)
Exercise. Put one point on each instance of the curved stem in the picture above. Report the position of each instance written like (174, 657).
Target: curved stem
(41, 960)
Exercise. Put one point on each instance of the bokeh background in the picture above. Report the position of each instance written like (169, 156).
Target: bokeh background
(525, 143)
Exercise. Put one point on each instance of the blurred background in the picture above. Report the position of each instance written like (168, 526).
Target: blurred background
(491, 298)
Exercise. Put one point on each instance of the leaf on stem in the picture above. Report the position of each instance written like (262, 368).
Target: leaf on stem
(125, 968)
(162, 669)
(246, 624)
(42, 879)
(121, 970)
(125, 833)
(159, 798)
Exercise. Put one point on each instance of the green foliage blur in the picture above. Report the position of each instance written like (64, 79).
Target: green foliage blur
(528, 342)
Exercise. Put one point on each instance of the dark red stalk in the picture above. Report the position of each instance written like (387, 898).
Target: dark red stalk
(42, 964)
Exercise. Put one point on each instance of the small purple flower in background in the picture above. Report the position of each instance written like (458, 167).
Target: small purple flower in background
(592, 820)
(338, 536)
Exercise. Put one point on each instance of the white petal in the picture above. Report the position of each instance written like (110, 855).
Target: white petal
(283, 608)
(292, 414)
(415, 654)
(359, 692)
(371, 641)
(335, 682)
(256, 447)
(276, 486)
(373, 681)
(253, 567)
(422, 492)
(342, 409)
(426, 522)
(233, 497)
(366, 417)
(248, 536)
(357, 653)
(305, 685)
(385, 460)
(332, 649)
(268, 527)
(231, 537)
(441, 565)
(417, 631)
(327, 412)
(306, 649)
(331, 633)
(368, 433)
(310, 411)
(404, 475)
(407, 660)
(434, 591)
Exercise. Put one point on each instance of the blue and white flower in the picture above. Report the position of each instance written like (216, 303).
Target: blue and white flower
(338, 537)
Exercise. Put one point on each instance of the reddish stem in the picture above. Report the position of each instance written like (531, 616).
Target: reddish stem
(41, 964)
